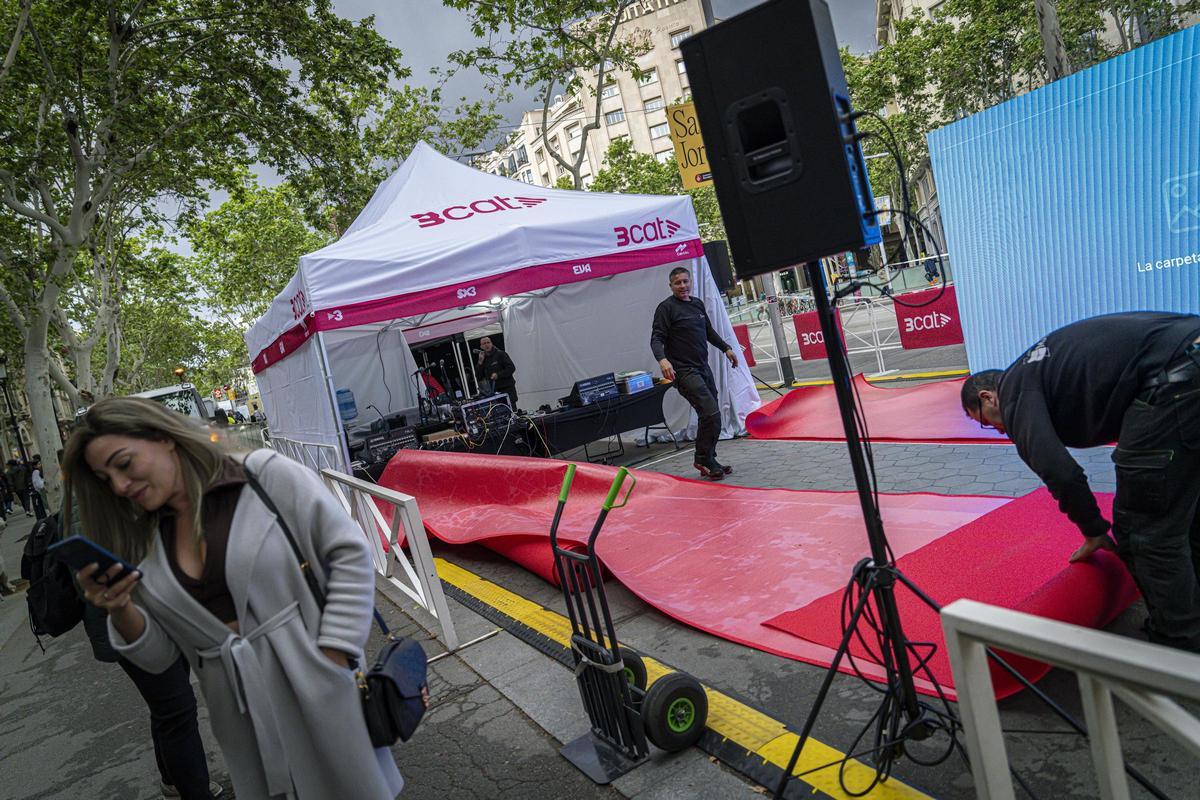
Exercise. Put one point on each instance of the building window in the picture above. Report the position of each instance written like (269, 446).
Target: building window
(541, 156)
(659, 131)
(613, 117)
(561, 170)
(680, 67)
(679, 36)
(654, 104)
(545, 179)
(610, 90)
(649, 76)
(522, 155)
(665, 156)
(573, 131)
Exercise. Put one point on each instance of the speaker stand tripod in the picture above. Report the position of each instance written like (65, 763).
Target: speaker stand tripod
(877, 577)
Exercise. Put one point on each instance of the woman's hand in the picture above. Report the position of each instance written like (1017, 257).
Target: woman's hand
(114, 599)
(337, 657)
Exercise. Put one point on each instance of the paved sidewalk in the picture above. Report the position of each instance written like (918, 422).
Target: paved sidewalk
(72, 727)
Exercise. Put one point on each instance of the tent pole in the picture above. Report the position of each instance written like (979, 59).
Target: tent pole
(331, 393)
(462, 375)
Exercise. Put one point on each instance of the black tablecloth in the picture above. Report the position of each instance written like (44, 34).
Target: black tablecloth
(569, 428)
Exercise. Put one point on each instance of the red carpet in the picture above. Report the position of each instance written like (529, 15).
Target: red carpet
(1016, 557)
(931, 412)
(720, 558)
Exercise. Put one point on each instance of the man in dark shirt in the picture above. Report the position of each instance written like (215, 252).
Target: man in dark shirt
(1134, 379)
(496, 366)
(679, 339)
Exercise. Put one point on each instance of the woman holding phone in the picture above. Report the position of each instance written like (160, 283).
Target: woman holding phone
(218, 582)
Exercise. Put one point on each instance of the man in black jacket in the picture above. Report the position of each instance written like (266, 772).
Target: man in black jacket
(496, 366)
(679, 339)
(1134, 379)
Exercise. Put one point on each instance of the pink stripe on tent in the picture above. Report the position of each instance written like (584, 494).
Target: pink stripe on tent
(526, 279)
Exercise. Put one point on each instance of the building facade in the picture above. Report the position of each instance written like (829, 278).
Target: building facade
(629, 108)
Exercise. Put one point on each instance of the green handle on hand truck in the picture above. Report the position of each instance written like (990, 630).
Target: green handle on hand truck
(566, 484)
(613, 490)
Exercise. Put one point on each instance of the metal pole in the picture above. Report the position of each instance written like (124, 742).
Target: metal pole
(781, 346)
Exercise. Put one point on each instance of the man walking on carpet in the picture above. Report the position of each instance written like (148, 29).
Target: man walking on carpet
(1131, 378)
(679, 339)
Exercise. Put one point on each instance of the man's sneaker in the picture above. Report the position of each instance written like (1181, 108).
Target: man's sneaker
(712, 472)
(727, 470)
(214, 788)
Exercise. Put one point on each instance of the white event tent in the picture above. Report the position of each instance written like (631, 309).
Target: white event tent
(580, 274)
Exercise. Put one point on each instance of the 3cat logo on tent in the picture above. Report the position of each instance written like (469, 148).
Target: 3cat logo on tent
(488, 205)
(652, 231)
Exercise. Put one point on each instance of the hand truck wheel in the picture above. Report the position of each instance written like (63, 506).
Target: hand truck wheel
(635, 669)
(675, 711)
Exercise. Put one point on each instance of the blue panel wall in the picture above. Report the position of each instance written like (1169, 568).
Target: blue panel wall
(1077, 199)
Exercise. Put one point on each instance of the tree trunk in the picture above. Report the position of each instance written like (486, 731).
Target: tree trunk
(46, 437)
(1057, 65)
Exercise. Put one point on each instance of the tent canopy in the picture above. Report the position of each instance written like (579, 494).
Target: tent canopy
(438, 234)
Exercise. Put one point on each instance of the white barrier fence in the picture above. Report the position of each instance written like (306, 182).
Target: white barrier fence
(1144, 676)
(414, 572)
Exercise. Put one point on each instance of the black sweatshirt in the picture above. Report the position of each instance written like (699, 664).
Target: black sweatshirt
(680, 333)
(499, 363)
(1072, 389)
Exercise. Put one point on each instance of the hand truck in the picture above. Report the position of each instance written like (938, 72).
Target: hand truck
(612, 679)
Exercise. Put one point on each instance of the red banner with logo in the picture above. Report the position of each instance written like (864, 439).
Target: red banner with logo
(932, 325)
(742, 332)
(809, 335)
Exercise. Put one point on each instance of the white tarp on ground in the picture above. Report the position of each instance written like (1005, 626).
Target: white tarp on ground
(439, 235)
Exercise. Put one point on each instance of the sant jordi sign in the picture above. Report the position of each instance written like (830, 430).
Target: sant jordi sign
(689, 146)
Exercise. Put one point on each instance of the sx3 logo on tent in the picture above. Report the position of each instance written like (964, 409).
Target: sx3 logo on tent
(652, 231)
(488, 205)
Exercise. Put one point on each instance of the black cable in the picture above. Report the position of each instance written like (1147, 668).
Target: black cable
(382, 366)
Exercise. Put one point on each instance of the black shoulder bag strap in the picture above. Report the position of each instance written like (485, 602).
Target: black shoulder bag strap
(305, 567)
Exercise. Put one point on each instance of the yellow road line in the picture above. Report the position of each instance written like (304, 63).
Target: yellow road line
(903, 376)
(765, 737)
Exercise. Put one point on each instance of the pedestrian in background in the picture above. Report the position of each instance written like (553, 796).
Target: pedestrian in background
(5, 496)
(231, 598)
(18, 478)
(37, 488)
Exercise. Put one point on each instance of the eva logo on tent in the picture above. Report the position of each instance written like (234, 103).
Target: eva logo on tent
(489, 205)
(652, 231)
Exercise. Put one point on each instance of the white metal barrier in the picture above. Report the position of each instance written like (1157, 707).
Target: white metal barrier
(1144, 676)
(419, 579)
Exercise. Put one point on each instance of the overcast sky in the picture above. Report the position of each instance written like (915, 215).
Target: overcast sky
(425, 31)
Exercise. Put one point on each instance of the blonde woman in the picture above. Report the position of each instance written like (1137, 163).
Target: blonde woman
(218, 582)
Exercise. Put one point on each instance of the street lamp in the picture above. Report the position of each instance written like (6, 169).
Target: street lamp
(8, 402)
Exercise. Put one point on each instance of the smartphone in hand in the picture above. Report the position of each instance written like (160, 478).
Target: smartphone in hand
(77, 552)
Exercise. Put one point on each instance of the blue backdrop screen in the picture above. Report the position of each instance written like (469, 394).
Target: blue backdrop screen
(1076, 199)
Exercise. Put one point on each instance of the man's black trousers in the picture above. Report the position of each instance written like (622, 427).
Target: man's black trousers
(1156, 514)
(178, 749)
(700, 390)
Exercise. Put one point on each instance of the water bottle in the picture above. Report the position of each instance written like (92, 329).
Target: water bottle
(346, 406)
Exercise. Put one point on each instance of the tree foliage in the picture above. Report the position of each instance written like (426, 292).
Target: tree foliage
(108, 109)
(247, 249)
(972, 54)
(567, 49)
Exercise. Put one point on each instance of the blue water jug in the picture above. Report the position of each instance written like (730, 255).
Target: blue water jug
(346, 407)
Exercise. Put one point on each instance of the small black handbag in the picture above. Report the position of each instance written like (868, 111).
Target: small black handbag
(395, 691)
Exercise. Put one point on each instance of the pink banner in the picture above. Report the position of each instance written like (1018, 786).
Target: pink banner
(809, 335)
(932, 325)
(742, 332)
